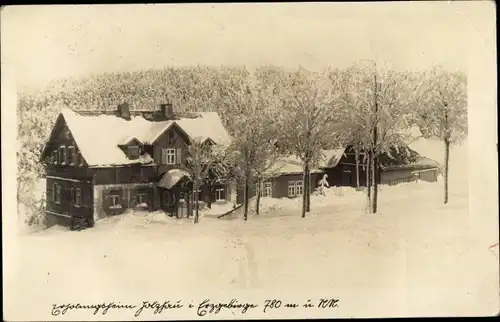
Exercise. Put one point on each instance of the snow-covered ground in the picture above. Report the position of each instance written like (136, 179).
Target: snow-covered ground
(415, 257)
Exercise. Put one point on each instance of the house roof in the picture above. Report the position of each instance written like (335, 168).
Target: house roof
(98, 136)
(421, 163)
(289, 165)
(331, 158)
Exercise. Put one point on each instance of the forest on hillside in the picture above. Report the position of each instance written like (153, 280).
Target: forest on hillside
(369, 105)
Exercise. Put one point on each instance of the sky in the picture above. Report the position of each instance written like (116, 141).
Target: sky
(42, 43)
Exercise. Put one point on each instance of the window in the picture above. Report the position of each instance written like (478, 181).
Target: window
(62, 153)
(171, 138)
(54, 156)
(57, 193)
(77, 197)
(71, 155)
(115, 201)
(265, 189)
(133, 152)
(142, 198)
(220, 194)
(298, 188)
(291, 188)
(168, 156)
(199, 194)
(295, 188)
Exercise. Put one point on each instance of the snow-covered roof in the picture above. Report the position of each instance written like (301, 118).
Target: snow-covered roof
(98, 136)
(331, 158)
(172, 177)
(421, 163)
(289, 165)
(206, 125)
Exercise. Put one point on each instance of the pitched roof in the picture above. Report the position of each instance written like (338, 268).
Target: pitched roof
(421, 163)
(331, 158)
(99, 136)
(289, 165)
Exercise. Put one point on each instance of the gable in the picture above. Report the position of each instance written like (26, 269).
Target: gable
(51, 142)
(60, 135)
(173, 136)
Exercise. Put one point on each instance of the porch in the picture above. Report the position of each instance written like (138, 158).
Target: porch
(176, 197)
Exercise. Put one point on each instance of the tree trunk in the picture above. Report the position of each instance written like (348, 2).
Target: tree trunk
(307, 190)
(246, 198)
(257, 206)
(373, 155)
(375, 184)
(196, 211)
(357, 167)
(368, 183)
(209, 200)
(304, 199)
(446, 168)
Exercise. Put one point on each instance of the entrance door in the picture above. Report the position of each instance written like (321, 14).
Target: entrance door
(346, 178)
(168, 201)
(183, 204)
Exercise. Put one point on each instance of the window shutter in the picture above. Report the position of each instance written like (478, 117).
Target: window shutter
(163, 156)
(73, 195)
(178, 157)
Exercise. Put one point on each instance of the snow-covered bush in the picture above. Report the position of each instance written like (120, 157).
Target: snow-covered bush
(32, 211)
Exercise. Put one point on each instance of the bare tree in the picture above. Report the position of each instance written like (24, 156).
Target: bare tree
(443, 111)
(378, 100)
(198, 163)
(268, 153)
(310, 121)
(222, 169)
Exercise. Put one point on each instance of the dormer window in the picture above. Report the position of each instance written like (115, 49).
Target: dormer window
(133, 152)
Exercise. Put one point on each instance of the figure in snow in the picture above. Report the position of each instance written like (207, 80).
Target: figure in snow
(323, 183)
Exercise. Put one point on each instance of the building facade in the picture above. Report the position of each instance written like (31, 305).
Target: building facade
(100, 164)
(285, 180)
(396, 166)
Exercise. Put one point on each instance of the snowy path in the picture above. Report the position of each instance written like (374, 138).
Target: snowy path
(418, 251)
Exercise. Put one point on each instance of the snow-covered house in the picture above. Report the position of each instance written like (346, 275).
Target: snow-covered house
(285, 180)
(396, 166)
(103, 164)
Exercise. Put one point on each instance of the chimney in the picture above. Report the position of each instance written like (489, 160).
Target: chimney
(123, 111)
(167, 110)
